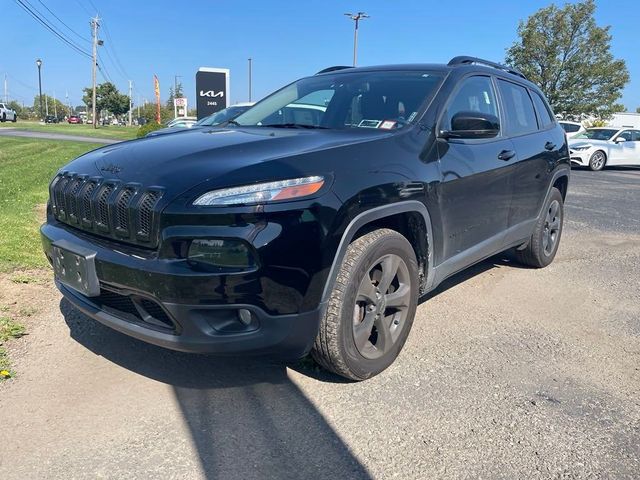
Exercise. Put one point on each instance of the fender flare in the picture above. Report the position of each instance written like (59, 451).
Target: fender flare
(369, 216)
(560, 172)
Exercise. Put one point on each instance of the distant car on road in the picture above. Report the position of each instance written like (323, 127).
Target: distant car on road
(74, 119)
(599, 147)
(212, 120)
(7, 113)
(51, 119)
(572, 129)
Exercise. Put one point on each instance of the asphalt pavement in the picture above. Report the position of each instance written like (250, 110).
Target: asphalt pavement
(508, 373)
(11, 132)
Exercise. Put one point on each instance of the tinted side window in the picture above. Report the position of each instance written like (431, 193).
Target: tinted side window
(475, 95)
(635, 135)
(626, 135)
(520, 116)
(543, 111)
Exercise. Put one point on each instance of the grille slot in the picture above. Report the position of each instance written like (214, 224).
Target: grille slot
(145, 213)
(123, 212)
(102, 206)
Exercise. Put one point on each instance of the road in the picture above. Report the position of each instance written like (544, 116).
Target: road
(508, 373)
(11, 132)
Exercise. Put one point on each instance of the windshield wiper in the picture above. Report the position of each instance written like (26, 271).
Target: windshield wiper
(232, 122)
(294, 125)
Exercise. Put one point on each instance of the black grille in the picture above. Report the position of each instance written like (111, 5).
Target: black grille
(109, 208)
(134, 308)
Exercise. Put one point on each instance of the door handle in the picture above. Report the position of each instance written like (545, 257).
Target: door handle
(506, 155)
(549, 146)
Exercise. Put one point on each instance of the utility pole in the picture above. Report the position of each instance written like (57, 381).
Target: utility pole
(6, 95)
(139, 102)
(175, 95)
(94, 35)
(46, 104)
(130, 102)
(55, 107)
(250, 60)
(356, 17)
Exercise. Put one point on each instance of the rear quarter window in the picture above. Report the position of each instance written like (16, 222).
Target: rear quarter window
(544, 113)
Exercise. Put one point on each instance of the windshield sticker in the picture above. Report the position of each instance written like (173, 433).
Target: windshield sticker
(369, 123)
(387, 124)
(412, 116)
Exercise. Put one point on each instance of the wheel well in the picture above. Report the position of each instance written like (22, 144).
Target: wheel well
(412, 226)
(562, 183)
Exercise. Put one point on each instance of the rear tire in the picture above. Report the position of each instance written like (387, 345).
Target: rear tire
(545, 239)
(4, 117)
(371, 308)
(597, 161)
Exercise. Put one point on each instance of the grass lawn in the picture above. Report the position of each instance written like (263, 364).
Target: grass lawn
(111, 131)
(26, 168)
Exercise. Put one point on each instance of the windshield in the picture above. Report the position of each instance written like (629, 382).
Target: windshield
(221, 116)
(598, 133)
(379, 100)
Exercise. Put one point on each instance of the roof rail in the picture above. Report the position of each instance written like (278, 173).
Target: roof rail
(464, 60)
(332, 69)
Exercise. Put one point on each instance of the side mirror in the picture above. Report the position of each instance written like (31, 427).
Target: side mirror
(473, 125)
(620, 140)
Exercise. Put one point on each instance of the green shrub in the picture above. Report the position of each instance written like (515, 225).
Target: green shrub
(147, 128)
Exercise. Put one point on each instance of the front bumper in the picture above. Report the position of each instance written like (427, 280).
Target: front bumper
(580, 157)
(166, 303)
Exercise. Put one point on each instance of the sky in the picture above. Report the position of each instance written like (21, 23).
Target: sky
(286, 40)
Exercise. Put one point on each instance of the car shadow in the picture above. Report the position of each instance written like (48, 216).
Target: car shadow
(246, 417)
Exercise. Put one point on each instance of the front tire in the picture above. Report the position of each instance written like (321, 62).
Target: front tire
(597, 161)
(4, 117)
(545, 239)
(15, 118)
(371, 308)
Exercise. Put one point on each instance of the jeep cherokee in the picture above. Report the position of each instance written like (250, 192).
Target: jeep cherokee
(313, 229)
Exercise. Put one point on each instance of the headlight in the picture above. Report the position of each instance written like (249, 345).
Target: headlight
(262, 192)
(581, 147)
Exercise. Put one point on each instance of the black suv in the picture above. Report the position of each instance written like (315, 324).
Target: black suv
(314, 221)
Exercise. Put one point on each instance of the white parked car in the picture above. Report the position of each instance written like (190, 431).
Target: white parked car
(599, 147)
(7, 113)
(572, 129)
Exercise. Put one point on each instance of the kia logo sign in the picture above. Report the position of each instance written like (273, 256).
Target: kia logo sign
(211, 93)
(212, 90)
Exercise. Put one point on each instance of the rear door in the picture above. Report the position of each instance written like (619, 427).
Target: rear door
(538, 141)
(475, 187)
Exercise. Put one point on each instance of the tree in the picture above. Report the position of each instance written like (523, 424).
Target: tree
(107, 98)
(52, 106)
(568, 56)
(174, 94)
(638, 110)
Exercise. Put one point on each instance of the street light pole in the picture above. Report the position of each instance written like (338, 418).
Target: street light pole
(356, 17)
(250, 60)
(39, 64)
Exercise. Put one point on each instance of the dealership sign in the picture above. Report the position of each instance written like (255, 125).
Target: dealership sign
(212, 90)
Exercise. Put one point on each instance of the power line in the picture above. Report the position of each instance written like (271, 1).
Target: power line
(111, 46)
(62, 22)
(42, 21)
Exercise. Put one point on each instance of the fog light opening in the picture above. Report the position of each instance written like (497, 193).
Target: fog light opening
(245, 316)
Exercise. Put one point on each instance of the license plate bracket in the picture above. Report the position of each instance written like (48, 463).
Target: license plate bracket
(74, 266)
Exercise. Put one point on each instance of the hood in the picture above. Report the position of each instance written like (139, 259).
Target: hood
(167, 130)
(583, 142)
(187, 158)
